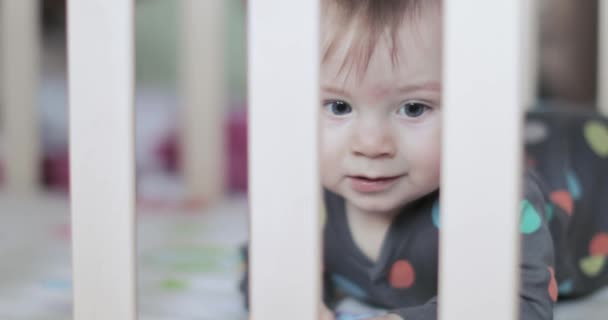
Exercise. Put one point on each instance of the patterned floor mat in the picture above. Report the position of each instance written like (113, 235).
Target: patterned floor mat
(189, 264)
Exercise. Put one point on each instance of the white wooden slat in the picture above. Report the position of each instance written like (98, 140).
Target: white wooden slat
(20, 36)
(203, 97)
(481, 171)
(530, 60)
(602, 81)
(100, 53)
(284, 183)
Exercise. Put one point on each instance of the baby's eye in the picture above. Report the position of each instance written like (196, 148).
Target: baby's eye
(413, 109)
(338, 108)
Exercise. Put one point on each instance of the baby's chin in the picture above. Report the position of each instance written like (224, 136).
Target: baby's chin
(378, 204)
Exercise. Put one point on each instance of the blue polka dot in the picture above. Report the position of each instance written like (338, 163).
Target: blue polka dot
(565, 287)
(435, 214)
(574, 186)
(348, 287)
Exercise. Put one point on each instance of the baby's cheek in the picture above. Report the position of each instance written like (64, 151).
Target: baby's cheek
(434, 164)
(330, 158)
(326, 181)
(425, 171)
(425, 156)
(328, 171)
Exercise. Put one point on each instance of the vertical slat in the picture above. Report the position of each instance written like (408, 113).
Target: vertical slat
(530, 41)
(203, 96)
(284, 182)
(602, 83)
(100, 51)
(482, 107)
(20, 34)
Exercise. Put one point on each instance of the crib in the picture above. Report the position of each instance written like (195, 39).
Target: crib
(282, 153)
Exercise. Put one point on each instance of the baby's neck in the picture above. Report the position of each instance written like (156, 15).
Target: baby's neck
(372, 217)
(369, 229)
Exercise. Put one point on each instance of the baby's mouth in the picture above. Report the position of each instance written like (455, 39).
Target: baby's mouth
(365, 184)
(374, 179)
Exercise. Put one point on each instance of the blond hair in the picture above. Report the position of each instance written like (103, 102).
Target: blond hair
(366, 22)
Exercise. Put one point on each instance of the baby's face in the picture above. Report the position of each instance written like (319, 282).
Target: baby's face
(380, 133)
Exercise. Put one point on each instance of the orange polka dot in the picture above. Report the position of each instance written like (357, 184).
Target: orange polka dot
(552, 285)
(402, 275)
(599, 245)
(563, 199)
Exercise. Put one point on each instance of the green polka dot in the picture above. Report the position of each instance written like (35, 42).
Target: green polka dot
(174, 284)
(530, 219)
(549, 211)
(592, 265)
(596, 134)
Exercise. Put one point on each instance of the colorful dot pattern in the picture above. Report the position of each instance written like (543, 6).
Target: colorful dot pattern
(596, 135)
(565, 287)
(436, 214)
(593, 264)
(549, 211)
(553, 288)
(599, 244)
(402, 275)
(563, 199)
(348, 287)
(531, 220)
(574, 186)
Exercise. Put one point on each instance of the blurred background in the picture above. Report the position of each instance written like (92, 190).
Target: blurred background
(189, 261)
(568, 46)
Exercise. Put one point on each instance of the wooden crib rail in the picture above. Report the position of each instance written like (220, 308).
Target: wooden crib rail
(100, 62)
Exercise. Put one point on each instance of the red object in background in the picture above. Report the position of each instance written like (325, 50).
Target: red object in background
(235, 129)
(56, 164)
(236, 133)
(56, 170)
(169, 153)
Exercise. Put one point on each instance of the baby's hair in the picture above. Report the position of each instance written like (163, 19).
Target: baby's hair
(366, 22)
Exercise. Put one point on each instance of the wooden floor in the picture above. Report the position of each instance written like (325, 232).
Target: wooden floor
(189, 264)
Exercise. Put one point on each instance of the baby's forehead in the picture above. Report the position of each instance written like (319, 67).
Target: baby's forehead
(410, 49)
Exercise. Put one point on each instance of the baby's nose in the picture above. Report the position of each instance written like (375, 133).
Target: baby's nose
(374, 142)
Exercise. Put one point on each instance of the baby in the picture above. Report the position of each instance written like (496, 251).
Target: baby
(380, 130)
(380, 143)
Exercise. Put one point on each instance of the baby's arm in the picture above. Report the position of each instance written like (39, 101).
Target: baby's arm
(538, 290)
